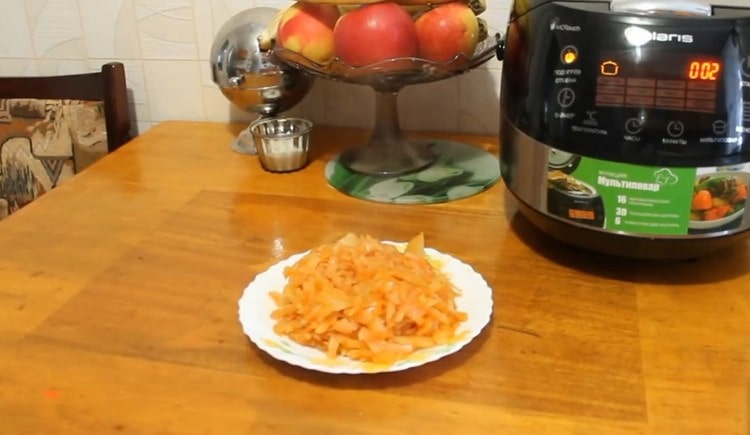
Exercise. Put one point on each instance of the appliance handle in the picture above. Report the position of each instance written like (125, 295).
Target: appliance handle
(662, 7)
(500, 47)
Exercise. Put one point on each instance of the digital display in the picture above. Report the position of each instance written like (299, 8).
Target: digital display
(703, 70)
(671, 81)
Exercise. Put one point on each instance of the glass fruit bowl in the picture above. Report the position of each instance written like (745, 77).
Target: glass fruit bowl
(388, 151)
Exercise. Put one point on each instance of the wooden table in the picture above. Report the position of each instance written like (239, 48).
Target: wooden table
(119, 290)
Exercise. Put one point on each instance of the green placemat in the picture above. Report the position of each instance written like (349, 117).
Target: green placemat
(460, 170)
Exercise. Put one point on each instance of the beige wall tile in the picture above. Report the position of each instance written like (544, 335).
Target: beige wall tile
(478, 100)
(136, 80)
(430, 106)
(174, 90)
(56, 29)
(110, 29)
(344, 104)
(166, 29)
(140, 111)
(16, 39)
(142, 127)
(18, 67)
(50, 67)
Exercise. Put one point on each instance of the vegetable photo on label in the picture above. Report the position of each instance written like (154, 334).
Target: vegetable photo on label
(717, 196)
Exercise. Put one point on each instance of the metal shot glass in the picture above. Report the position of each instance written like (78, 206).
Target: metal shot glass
(282, 143)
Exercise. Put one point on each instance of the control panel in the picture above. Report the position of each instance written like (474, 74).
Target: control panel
(633, 88)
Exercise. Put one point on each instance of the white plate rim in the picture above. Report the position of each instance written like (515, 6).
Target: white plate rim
(255, 306)
(704, 225)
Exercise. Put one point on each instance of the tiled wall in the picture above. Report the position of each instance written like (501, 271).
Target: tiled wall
(165, 45)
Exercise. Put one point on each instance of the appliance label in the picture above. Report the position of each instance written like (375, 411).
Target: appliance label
(646, 199)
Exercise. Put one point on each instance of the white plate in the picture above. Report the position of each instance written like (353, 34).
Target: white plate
(256, 305)
(716, 223)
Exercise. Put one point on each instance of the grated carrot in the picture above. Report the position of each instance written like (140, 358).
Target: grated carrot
(366, 300)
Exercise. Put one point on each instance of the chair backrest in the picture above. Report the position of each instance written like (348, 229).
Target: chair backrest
(107, 85)
(52, 127)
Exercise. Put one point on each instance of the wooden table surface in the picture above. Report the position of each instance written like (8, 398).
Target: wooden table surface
(119, 290)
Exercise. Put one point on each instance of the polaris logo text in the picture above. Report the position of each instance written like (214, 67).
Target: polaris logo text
(672, 37)
(639, 36)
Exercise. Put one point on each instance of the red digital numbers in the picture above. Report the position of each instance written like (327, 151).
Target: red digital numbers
(704, 70)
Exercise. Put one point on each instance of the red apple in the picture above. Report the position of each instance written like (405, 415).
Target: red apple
(446, 31)
(375, 32)
(307, 29)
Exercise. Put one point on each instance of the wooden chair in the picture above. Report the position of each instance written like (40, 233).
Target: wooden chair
(55, 126)
(107, 85)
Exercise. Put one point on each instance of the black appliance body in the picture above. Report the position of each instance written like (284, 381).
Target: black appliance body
(646, 110)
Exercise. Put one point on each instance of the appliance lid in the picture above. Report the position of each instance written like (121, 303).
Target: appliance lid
(683, 8)
(659, 7)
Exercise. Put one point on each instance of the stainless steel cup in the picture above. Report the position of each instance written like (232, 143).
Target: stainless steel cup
(282, 143)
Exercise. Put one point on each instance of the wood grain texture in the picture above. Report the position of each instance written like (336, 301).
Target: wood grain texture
(124, 318)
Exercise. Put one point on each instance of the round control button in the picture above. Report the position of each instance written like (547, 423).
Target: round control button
(566, 97)
(633, 125)
(675, 128)
(719, 127)
(568, 55)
